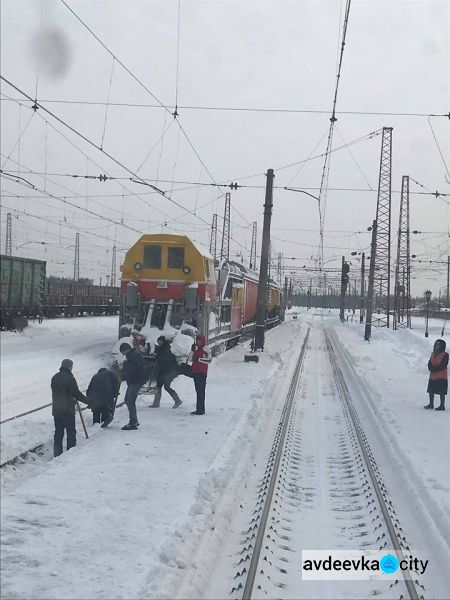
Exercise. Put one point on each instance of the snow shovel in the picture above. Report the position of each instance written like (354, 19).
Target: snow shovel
(82, 420)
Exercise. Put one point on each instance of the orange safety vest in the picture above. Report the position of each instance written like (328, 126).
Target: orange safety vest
(435, 361)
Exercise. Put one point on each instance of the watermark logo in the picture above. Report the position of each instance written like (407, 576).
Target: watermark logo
(358, 564)
(389, 564)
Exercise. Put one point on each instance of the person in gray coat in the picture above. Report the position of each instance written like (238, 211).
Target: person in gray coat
(65, 393)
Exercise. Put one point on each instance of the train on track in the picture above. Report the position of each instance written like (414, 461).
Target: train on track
(27, 293)
(170, 282)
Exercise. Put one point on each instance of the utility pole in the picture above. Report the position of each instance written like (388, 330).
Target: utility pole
(373, 251)
(361, 308)
(344, 280)
(213, 239)
(253, 247)
(448, 281)
(354, 297)
(225, 249)
(262, 287)
(76, 260)
(8, 243)
(285, 297)
(113, 267)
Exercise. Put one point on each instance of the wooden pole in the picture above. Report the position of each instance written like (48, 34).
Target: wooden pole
(82, 420)
(263, 270)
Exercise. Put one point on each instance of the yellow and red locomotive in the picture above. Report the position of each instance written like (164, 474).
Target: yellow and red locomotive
(170, 282)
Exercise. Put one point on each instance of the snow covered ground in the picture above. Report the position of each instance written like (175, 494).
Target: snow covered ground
(30, 359)
(143, 514)
(107, 519)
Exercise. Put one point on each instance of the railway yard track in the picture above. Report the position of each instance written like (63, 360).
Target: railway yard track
(306, 498)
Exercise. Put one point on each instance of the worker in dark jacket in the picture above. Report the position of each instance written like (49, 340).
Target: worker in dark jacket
(65, 393)
(201, 357)
(133, 374)
(101, 394)
(438, 382)
(165, 371)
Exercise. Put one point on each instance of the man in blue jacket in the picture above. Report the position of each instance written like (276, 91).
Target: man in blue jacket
(133, 374)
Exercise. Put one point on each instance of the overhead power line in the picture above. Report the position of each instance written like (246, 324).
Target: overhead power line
(253, 109)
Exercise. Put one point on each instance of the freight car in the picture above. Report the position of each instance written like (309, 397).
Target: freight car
(26, 293)
(170, 282)
(22, 287)
(69, 298)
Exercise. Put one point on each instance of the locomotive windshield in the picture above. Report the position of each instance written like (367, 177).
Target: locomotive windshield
(176, 258)
(152, 256)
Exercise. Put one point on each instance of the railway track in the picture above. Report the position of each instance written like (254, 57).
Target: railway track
(320, 469)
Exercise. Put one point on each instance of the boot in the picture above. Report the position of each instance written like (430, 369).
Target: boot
(430, 404)
(442, 404)
(156, 400)
(176, 399)
(129, 426)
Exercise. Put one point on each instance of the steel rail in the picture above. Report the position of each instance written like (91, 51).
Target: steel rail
(250, 580)
(358, 429)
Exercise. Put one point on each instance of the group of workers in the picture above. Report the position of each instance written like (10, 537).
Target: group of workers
(102, 392)
(103, 389)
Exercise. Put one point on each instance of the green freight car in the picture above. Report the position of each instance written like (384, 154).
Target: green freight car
(22, 284)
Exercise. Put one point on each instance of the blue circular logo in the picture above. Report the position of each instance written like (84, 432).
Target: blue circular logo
(389, 563)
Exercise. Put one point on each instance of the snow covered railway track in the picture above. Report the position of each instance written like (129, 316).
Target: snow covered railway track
(26, 456)
(321, 489)
(396, 534)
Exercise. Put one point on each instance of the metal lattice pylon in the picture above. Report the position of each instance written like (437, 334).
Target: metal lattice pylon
(213, 238)
(113, 267)
(402, 290)
(279, 268)
(8, 242)
(225, 249)
(382, 275)
(76, 260)
(253, 247)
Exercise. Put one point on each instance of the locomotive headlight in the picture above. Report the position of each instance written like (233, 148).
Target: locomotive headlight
(137, 266)
(186, 270)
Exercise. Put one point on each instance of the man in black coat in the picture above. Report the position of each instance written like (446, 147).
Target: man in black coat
(101, 393)
(65, 393)
(166, 369)
(133, 374)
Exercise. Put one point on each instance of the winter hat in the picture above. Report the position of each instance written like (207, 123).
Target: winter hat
(67, 364)
(442, 344)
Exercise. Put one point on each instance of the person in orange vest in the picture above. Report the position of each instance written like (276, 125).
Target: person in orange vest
(438, 382)
(201, 357)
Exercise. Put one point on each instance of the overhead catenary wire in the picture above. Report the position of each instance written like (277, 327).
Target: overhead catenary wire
(107, 103)
(174, 114)
(242, 108)
(333, 119)
(93, 144)
(139, 196)
(438, 147)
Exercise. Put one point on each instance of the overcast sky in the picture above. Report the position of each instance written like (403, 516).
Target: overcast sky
(232, 54)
